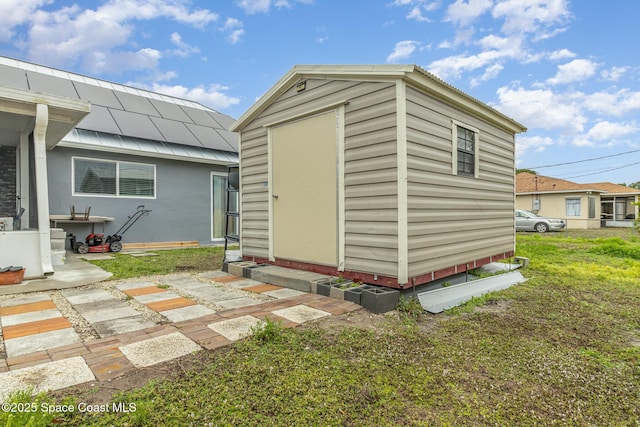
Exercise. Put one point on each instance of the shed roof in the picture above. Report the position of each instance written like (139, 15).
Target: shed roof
(528, 183)
(127, 111)
(409, 73)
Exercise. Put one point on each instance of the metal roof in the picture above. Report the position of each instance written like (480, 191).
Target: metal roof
(128, 112)
(412, 74)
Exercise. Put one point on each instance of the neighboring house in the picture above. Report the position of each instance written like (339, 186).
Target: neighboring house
(582, 205)
(135, 147)
(382, 173)
(618, 209)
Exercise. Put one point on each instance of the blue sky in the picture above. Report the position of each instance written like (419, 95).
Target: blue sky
(568, 70)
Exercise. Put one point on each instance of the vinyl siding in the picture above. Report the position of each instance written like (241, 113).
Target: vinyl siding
(455, 219)
(370, 170)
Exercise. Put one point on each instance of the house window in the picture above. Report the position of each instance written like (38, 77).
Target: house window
(592, 207)
(573, 207)
(219, 208)
(112, 178)
(465, 150)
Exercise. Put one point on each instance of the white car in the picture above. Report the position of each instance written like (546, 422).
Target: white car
(528, 221)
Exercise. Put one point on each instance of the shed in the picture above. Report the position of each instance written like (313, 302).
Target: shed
(379, 173)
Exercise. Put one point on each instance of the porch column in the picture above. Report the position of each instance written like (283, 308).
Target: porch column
(42, 186)
(23, 188)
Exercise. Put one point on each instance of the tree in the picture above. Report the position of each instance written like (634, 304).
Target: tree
(635, 185)
(531, 171)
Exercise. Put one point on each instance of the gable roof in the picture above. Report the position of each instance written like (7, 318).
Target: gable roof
(386, 72)
(127, 112)
(528, 183)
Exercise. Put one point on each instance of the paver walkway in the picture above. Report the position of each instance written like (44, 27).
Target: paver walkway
(205, 312)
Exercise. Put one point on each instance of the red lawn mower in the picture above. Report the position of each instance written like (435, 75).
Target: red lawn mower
(98, 243)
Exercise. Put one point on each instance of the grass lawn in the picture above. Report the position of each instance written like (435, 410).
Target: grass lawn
(562, 348)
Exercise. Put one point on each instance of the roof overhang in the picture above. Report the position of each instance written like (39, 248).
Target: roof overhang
(585, 191)
(104, 142)
(63, 113)
(412, 74)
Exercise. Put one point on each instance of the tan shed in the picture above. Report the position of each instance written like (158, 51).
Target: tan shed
(380, 173)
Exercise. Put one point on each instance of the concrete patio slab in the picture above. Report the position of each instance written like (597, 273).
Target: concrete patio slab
(48, 376)
(107, 304)
(134, 284)
(235, 329)
(283, 293)
(160, 296)
(244, 283)
(187, 313)
(27, 299)
(214, 294)
(97, 316)
(123, 325)
(38, 342)
(29, 317)
(160, 349)
(301, 313)
(80, 296)
(238, 303)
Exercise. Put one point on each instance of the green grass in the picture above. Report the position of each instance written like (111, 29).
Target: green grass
(562, 348)
(125, 266)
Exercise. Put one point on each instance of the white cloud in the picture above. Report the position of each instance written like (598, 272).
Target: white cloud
(561, 54)
(463, 13)
(543, 109)
(235, 29)
(606, 130)
(183, 49)
(526, 144)
(614, 73)
(531, 16)
(490, 73)
(263, 6)
(17, 12)
(73, 35)
(403, 50)
(574, 71)
(213, 96)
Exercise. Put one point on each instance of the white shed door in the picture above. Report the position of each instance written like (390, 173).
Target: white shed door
(304, 190)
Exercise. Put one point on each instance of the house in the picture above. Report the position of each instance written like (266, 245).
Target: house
(583, 205)
(579, 204)
(71, 140)
(380, 173)
(617, 204)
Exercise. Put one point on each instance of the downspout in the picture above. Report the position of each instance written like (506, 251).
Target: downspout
(42, 187)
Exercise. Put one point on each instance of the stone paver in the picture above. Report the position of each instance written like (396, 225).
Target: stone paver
(44, 352)
(48, 376)
(160, 349)
(234, 329)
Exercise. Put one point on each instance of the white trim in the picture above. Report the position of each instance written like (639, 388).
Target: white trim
(211, 212)
(454, 148)
(270, 191)
(117, 195)
(42, 185)
(403, 186)
(340, 158)
(240, 225)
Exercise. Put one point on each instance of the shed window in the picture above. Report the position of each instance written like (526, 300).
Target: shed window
(111, 178)
(465, 150)
(573, 207)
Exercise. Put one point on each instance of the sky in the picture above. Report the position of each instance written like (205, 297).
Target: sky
(569, 70)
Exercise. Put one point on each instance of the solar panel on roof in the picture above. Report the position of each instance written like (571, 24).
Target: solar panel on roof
(175, 132)
(209, 138)
(200, 117)
(136, 104)
(13, 77)
(138, 125)
(53, 85)
(99, 120)
(97, 95)
(224, 120)
(230, 137)
(170, 111)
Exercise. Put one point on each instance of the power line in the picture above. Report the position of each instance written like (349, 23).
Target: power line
(603, 171)
(585, 160)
